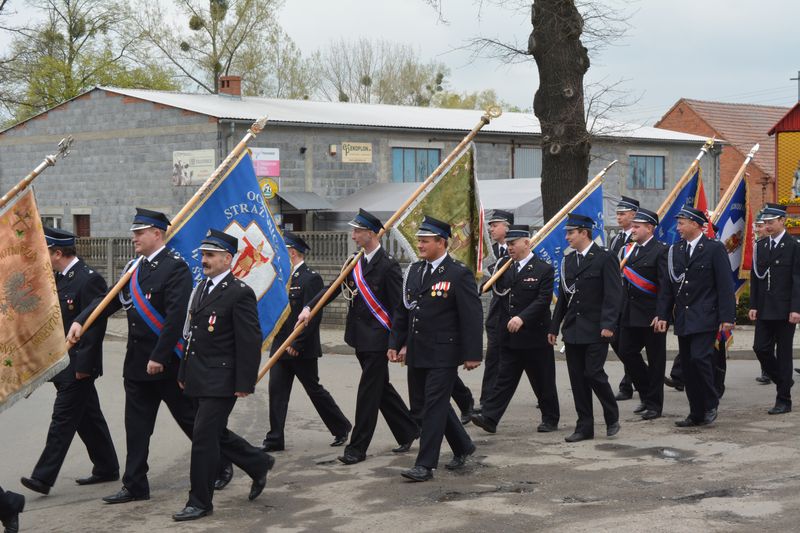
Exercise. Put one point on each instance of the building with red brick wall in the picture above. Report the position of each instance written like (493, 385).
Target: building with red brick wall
(740, 126)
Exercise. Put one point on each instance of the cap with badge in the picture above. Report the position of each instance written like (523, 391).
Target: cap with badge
(773, 211)
(58, 237)
(760, 217)
(366, 220)
(627, 204)
(577, 221)
(294, 241)
(219, 241)
(498, 215)
(145, 218)
(646, 216)
(432, 227)
(690, 213)
(518, 231)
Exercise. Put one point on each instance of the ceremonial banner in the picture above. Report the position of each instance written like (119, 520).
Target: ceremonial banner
(32, 344)
(667, 229)
(736, 233)
(701, 203)
(236, 206)
(452, 197)
(552, 247)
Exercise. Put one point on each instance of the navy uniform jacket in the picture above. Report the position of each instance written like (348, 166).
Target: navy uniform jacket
(168, 283)
(777, 294)
(385, 279)
(705, 298)
(224, 351)
(650, 262)
(443, 330)
(530, 292)
(618, 242)
(493, 313)
(77, 291)
(596, 302)
(305, 285)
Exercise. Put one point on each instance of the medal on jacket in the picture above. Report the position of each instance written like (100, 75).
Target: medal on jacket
(69, 304)
(440, 289)
(147, 295)
(211, 321)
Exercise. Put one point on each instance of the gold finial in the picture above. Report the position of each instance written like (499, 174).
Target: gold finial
(258, 125)
(494, 111)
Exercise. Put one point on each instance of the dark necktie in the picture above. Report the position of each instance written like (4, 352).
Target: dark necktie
(59, 276)
(426, 276)
(503, 251)
(145, 263)
(514, 271)
(688, 252)
(578, 256)
(209, 284)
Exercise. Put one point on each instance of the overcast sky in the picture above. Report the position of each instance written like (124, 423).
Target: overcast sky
(724, 50)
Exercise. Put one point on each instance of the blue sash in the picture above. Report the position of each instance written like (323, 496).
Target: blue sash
(151, 317)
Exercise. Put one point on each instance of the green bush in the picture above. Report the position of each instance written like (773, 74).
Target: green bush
(743, 306)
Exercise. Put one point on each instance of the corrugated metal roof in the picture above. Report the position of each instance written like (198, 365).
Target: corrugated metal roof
(372, 115)
(305, 200)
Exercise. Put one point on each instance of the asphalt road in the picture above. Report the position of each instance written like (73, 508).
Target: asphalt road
(743, 474)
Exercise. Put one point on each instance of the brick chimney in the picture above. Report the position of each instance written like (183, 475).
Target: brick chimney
(230, 85)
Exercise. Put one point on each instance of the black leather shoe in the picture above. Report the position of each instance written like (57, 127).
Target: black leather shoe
(612, 429)
(35, 485)
(640, 408)
(674, 383)
(13, 509)
(764, 379)
(458, 461)
(484, 424)
(687, 422)
(11, 525)
(546, 427)
(780, 408)
(124, 496)
(341, 440)
(190, 513)
(621, 396)
(418, 473)
(225, 477)
(350, 458)
(257, 487)
(267, 446)
(650, 414)
(578, 436)
(466, 414)
(93, 479)
(403, 448)
(709, 417)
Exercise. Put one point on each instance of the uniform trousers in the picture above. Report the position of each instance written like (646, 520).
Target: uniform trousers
(76, 410)
(210, 437)
(773, 346)
(626, 384)
(462, 396)
(281, 378)
(429, 390)
(491, 364)
(697, 361)
(720, 368)
(376, 394)
(648, 378)
(586, 375)
(540, 366)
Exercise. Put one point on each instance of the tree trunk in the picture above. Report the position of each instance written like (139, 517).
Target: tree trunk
(562, 60)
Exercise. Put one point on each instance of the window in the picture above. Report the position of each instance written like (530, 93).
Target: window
(527, 162)
(646, 172)
(414, 164)
(51, 221)
(81, 225)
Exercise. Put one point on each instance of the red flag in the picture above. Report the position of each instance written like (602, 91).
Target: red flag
(701, 203)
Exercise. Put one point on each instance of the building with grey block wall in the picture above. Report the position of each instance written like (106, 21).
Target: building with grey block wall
(125, 139)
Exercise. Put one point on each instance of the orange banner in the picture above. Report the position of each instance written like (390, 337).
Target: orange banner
(32, 333)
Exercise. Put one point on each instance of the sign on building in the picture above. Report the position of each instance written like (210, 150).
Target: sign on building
(192, 167)
(267, 162)
(356, 152)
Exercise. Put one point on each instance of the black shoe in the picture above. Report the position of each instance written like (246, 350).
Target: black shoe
(35, 485)
(13, 509)
(780, 408)
(687, 422)
(257, 487)
(674, 383)
(578, 436)
(639, 408)
(124, 496)
(225, 477)
(484, 424)
(341, 440)
(418, 473)
(466, 414)
(11, 524)
(546, 427)
(709, 417)
(190, 513)
(93, 479)
(268, 446)
(458, 461)
(403, 448)
(350, 458)
(650, 414)
(622, 396)
(797, 370)
(764, 379)
(612, 429)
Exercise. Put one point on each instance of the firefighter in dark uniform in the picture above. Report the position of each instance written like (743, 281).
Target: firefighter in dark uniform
(159, 289)
(367, 331)
(775, 302)
(223, 352)
(439, 325)
(499, 221)
(588, 305)
(301, 358)
(11, 505)
(626, 209)
(700, 301)
(644, 277)
(524, 293)
(77, 407)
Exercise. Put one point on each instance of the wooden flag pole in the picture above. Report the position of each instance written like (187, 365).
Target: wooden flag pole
(553, 222)
(50, 160)
(734, 183)
(492, 112)
(198, 196)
